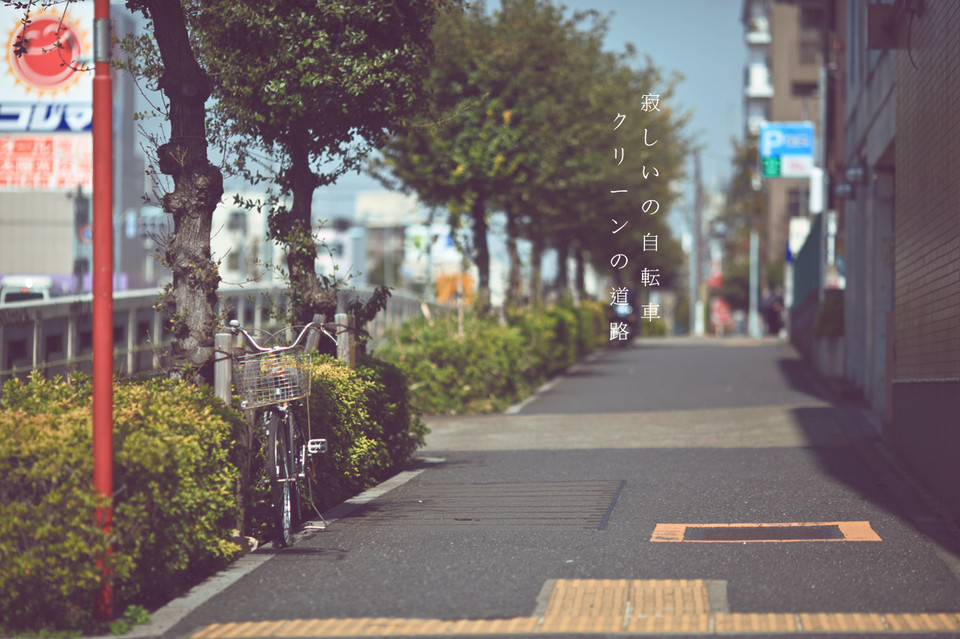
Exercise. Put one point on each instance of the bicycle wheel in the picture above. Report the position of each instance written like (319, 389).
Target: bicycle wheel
(297, 462)
(283, 478)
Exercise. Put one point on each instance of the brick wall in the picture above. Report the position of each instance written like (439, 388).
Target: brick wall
(927, 218)
(926, 375)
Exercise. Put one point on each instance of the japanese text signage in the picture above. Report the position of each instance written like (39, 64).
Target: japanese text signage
(786, 149)
(46, 97)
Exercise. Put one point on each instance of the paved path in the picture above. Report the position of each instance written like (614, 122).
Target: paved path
(691, 486)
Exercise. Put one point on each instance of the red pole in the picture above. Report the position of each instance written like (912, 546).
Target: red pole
(103, 283)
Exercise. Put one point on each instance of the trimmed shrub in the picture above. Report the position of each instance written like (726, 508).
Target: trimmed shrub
(492, 365)
(177, 454)
(653, 328)
(367, 418)
(174, 501)
(479, 372)
(339, 411)
(392, 408)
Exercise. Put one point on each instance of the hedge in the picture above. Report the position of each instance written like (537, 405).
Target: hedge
(494, 363)
(366, 416)
(182, 461)
(174, 505)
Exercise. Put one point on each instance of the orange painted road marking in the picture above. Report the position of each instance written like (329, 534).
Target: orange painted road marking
(766, 532)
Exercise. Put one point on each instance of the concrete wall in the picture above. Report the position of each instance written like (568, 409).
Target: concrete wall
(868, 80)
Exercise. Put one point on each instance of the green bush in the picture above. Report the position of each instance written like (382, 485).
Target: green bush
(477, 372)
(368, 421)
(492, 365)
(178, 451)
(392, 408)
(653, 328)
(174, 501)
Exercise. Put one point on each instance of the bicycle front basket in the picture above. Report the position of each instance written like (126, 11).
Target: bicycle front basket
(272, 377)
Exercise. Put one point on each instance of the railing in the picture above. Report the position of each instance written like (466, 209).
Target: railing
(56, 336)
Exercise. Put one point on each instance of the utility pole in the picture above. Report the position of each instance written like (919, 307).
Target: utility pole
(103, 284)
(753, 319)
(696, 262)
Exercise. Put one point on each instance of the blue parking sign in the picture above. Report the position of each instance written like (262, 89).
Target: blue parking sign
(786, 149)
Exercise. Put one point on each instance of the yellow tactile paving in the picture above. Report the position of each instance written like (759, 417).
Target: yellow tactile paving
(841, 622)
(604, 606)
(589, 598)
(581, 625)
(517, 625)
(936, 622)
(755, 622)
(668, 597)
(658, 625)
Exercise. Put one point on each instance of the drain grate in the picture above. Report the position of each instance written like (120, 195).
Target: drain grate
(812, 531)
(763, 533)
(583, 505)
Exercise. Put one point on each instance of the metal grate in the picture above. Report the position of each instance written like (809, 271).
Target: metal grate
(583, 505)
(835, 531)
(763, 533)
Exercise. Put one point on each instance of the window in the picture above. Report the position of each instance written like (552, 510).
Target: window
(237, 221)
(811, 23)
(798, 202)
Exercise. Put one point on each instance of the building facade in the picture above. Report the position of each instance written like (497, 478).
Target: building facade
(781, 84)
(895, 168)
(46, 150)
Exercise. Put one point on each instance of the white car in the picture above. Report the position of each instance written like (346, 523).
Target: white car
(22, 288)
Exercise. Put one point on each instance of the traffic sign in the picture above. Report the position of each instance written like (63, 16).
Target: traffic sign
(786, 149)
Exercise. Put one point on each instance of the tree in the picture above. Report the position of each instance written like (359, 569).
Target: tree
(170, 64)
(634, 150)
(520, 121)
(743, 212)
(315, 84)
(492, 86)
(376, 67)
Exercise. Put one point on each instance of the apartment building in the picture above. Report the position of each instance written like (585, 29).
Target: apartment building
(781, 84)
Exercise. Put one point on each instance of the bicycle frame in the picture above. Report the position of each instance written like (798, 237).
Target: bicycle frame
(272, 378)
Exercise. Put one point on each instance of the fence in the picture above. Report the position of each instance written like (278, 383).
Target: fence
(56, 336)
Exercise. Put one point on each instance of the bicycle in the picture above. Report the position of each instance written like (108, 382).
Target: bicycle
(274, 378)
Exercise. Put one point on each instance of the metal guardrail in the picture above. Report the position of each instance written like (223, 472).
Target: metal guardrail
(56, 335)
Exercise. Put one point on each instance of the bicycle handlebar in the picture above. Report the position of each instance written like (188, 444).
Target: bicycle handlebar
(236, 328)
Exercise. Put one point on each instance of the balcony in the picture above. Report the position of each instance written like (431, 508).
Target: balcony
(758, 31)
(757, 82)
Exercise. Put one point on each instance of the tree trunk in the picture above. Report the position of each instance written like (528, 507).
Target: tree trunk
(579, 278)
(479, 214)
(198, 187)
(514, 284)
(294, 228)
(536, 271)
(563, 278)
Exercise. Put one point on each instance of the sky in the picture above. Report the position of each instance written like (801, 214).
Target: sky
(700, 39)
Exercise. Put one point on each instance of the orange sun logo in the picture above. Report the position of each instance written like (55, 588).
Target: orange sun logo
(53, 60)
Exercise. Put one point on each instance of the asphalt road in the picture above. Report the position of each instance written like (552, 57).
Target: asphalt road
(625, 497)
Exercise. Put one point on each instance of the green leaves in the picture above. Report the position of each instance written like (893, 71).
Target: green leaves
(314, 85)
(519, 117)
(174, 506)
(491, 366)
